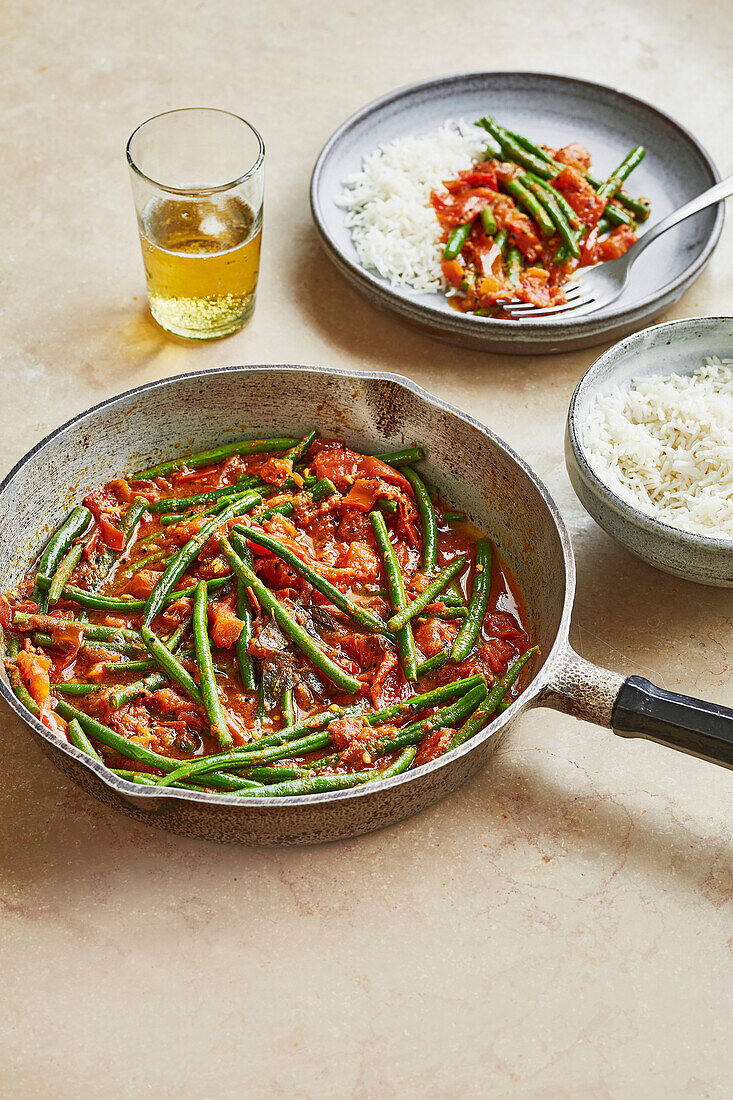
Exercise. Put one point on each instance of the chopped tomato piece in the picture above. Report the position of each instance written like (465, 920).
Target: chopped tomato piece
(589, 248)
(454, 272)
(351, 737)
(575, 155)
(434, 745)
(618, 243)
(534, 287)
(34, 669)
(225, 626)
(112, 535)
(581, 196)
(143, 583)
(276, 471)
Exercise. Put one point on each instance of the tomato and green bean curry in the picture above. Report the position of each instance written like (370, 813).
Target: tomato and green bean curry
(523, 220)
(269, 618)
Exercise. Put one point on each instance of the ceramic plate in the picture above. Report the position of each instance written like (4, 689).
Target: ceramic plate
(556, 110)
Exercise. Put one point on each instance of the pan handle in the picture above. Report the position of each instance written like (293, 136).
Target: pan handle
(689, 725)
(633, 707)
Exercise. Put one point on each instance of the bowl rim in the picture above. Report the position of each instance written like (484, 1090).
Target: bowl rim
(534, 689)
(469, 323)
(615, 354)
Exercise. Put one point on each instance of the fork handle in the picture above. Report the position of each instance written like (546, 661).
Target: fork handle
(714, 194)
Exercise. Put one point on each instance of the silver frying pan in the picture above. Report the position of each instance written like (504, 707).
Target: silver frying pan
(372, 411)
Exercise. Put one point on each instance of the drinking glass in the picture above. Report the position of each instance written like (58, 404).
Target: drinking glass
(198, 183)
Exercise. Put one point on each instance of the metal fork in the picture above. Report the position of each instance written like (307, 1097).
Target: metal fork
(598, 286)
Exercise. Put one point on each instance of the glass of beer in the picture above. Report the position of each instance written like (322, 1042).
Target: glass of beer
(198, 182)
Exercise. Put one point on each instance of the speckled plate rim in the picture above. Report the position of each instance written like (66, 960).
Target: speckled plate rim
(494, 328)
(586, 385)
(532, 691)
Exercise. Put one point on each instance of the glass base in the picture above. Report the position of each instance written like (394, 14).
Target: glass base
(202, 318)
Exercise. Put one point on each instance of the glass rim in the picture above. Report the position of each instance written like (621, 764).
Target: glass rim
(259, 160)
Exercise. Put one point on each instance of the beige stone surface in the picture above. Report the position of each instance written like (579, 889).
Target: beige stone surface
(559, 928)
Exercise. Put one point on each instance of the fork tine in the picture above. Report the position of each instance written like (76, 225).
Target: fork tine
(574, 293)
(566, 307)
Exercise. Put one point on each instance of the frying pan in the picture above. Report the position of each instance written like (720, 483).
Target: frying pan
(372, 412)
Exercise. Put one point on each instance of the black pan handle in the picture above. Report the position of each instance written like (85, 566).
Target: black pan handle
(690, 725)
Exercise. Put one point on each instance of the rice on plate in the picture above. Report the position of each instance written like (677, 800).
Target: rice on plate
(393, 226)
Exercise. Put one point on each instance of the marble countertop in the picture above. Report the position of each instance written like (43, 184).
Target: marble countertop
(561, 927)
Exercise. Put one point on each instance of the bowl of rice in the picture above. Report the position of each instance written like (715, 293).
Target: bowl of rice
(649, 446)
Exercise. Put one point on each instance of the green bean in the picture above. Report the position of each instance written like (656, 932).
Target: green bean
(530, 205)
(138, 505)
(539, 162)
(130, 666)
(571, 216)
(638, 207)
(131, 750)
(612, 185)
(513, 151)
(360, 615)
(171, 666)
(180, 563)
(432, 664)
(129, 606)
(501, 239)
(481, 716)
(454, 517)
(101, 647)
(467, 635)
(162, 555)
(456, 241)
(446, 717)
(453, 595)
(212, 702)
(61, 540)
(317, 784)
(554, 210)
(285, 509)
(296, 452)
(270, 748)
(324, 487)
(397, 595)
(245, 662)
(388, 507)
(488, 221)
(79, 740)
(217, 454)
(514, 262)
(72, 688)
(90, 630)
(121, 696)
(427, 516)
(55, 549)
(437, 585)
(405, 457)
(230, 760)
(287, 623)
(287, 708)
(215, 496)
(273, 774)
(64, 571)
(448, 613)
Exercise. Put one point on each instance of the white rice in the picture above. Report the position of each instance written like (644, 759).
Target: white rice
(665, 446)
(393, 226)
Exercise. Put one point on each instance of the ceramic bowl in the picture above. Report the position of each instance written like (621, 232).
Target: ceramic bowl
(675, 347)
(558, 110)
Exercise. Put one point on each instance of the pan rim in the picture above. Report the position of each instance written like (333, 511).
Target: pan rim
(128, 789)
